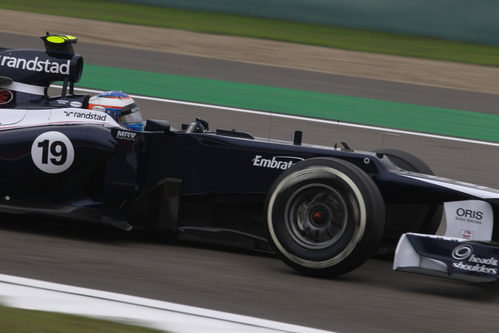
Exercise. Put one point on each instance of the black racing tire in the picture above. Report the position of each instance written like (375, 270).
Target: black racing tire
(400, 218)
(406, 161)
(325, 216)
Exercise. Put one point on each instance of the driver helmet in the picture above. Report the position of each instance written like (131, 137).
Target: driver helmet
(120, 106)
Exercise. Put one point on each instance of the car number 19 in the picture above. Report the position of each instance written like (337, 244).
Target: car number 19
(52, 152)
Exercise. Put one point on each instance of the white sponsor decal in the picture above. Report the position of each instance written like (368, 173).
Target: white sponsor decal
(75, 104)
(26, 88)
(471, 263)
(462, 252)
(277, 162)
(469, 219)
(468, 215)
(36, 65)
(466, 234)
(485, 261)
(86, 115)
(125, 135)
(52, 152)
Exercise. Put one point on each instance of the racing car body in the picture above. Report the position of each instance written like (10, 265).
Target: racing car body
(322, 210)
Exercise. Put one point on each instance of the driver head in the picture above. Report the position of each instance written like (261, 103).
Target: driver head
(120, 106)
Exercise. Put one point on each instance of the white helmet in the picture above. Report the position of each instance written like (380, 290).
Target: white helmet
(120, 106)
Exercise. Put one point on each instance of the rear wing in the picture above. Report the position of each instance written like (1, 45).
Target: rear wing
(26, 74)
(56, 43)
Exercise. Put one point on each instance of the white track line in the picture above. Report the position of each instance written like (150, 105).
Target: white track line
(47, 296)
(301, 118)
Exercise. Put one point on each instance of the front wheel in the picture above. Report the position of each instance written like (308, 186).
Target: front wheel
(325, 216)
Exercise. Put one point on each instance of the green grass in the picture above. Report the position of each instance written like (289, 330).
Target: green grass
(322, 35)
(17, 320)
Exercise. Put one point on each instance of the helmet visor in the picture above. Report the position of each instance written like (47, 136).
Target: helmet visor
(131, 114)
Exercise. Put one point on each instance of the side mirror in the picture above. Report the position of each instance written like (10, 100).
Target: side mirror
(198, 126)
(154, 125)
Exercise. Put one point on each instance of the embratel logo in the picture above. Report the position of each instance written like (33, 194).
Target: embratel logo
(125, 135)
(277, 162)
(471, 263)
(468, 215)
(85, 115)
(6, 96)
(36, 65)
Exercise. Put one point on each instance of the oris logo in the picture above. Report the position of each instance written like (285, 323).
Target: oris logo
(472, 214)
(468, 215)
(462, 252)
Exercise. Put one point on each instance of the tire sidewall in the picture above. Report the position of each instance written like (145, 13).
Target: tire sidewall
(362, 233)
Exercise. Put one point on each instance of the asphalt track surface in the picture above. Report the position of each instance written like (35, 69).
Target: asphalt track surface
(370, 299)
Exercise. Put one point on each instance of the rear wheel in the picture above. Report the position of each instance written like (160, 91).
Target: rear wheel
(400, 218)
(325, 216)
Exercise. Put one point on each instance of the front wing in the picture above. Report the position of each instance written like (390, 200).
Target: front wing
(448, 257)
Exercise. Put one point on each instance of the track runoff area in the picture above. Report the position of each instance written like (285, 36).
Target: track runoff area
(46, 296)
(26, 293)
(300, 118)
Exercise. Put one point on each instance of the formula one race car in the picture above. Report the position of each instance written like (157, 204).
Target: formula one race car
(322, 210)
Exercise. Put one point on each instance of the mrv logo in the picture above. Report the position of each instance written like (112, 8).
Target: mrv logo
(85, 115)
(36, 65)
(124, 135)
(471, 263)
(277, 162)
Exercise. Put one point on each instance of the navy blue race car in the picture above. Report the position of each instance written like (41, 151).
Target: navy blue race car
(323, 210)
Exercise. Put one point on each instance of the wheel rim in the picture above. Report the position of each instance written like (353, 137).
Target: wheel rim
(357, 218)
(316, 216)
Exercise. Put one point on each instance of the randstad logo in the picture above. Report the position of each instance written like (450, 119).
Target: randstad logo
(36, 65)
